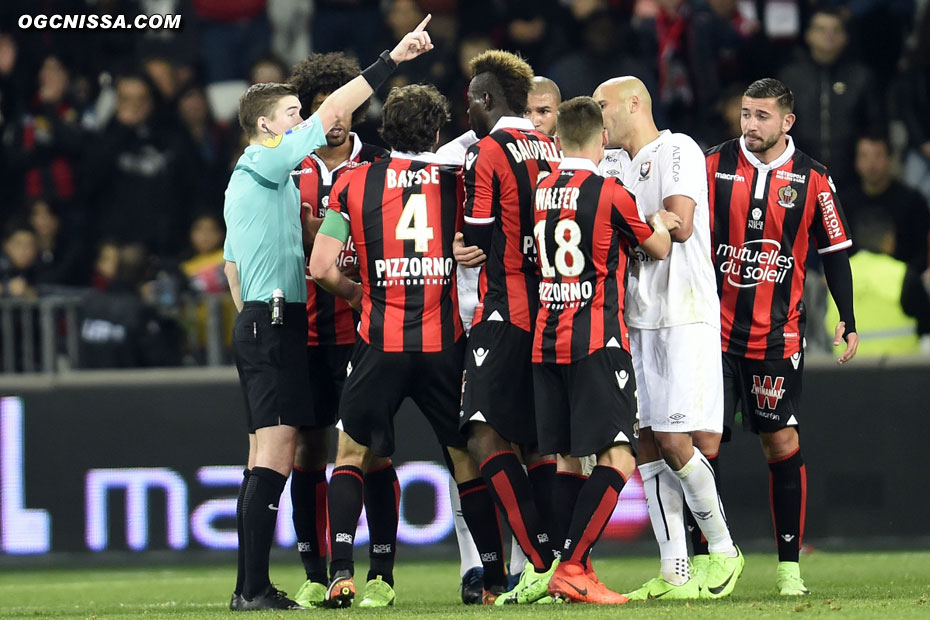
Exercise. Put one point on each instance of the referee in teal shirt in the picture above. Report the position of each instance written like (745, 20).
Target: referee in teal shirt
(264, 252)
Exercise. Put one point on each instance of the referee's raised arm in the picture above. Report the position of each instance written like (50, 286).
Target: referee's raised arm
(287, 146)
(343, 101)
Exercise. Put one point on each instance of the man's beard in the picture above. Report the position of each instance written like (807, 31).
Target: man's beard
(763, 146)
(337, 140)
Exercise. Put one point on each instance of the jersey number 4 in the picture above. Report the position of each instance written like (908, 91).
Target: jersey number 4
(412, 225)
(566, 251)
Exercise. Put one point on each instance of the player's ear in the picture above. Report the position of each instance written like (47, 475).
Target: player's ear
(604, 138)
(487, 101)
(788, 122)
(558, 143)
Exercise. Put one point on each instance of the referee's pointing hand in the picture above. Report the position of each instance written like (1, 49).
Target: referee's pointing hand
(414, 43)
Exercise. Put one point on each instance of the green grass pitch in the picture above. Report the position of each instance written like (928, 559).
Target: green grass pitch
(844, 585)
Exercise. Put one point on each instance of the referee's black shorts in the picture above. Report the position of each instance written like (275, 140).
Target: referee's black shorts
(272, 365)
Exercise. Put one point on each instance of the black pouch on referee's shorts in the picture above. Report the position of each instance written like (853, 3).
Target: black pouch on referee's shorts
(277, 308)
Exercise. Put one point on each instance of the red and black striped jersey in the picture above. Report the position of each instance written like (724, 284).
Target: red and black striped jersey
(330, 319)
(585, 227)
(762, 219)
(403, 213)
(501, 171)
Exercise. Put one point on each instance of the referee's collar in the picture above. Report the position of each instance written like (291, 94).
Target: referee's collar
(778, 163)
(513, 122)
(577, 163)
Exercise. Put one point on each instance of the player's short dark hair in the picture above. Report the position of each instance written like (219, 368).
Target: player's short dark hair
(580, 120)
(324, 73)
(513, 75)
(770, 88)
(411, 117)
(260, 100)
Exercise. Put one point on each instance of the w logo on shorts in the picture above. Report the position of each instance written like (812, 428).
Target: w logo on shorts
(768, 391)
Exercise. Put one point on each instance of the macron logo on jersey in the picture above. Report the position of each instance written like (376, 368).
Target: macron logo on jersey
(730, 177)
(480, 354)
(470, 160)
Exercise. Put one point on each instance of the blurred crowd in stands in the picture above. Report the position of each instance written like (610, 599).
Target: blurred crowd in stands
(116, 145)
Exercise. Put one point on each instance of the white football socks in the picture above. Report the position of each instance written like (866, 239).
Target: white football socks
(666, 513)
(700, 490)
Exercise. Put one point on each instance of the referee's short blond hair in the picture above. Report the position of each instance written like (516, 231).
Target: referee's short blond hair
(261, 100)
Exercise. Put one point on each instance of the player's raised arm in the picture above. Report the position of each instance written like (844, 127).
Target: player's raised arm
(343, 101)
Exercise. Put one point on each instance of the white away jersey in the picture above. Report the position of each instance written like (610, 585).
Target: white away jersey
(682, 288)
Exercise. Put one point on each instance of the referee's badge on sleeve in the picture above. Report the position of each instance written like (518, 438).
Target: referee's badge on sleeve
(273, 141)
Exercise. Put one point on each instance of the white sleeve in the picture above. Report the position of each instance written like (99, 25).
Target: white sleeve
(467, 286)
(453, 152)
(682, 169)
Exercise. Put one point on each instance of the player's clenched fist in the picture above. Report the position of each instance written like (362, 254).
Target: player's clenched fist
(669, 220)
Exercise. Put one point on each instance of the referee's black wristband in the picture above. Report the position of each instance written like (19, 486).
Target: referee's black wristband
(380, 70)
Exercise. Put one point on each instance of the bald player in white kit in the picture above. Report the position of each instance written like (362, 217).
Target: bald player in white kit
(673, 314)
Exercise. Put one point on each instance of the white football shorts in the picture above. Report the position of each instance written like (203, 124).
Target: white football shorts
(679, 378)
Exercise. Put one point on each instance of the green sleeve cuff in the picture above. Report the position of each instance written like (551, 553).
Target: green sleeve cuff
(335, 225)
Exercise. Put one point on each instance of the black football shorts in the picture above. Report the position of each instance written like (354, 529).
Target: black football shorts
(498, 381)
(377, 383)
(586, 406)
(327, 373)
(767, 392)
(272, 365)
